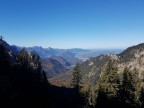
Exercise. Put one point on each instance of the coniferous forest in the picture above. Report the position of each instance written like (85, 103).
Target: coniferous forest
(23, 82)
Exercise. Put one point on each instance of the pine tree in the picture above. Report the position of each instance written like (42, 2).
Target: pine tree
(108, 86)
(137, 89)
(77, 78)
(135, 76)
(90, 97)
(1, 37)
(77, 84)
(127, 88)
(110, 79)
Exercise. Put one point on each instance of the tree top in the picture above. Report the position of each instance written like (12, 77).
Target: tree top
(1, 37)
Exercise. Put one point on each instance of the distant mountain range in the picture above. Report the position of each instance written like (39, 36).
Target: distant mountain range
(70, 56)
(132, 57)
(58, 61)
(75, 52)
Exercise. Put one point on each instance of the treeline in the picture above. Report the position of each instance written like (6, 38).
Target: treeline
(22, 80)
(112, 90)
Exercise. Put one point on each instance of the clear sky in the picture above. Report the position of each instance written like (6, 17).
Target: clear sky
(72, 23)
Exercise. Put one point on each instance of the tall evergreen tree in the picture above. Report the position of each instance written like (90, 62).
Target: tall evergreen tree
(137, 88)
(1, 37)
(110, 79)
(77, 78)
(77, 84)
(127, 88)
(90, 97)
(108, 86)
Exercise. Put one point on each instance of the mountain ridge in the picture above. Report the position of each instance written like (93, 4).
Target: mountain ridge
(132, 57)
(77, 52)
(53, 67)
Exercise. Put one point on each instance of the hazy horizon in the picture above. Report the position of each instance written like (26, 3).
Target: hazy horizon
(65, 24)
(73, 47)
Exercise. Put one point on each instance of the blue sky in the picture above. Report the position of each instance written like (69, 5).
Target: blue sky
(72, 23)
